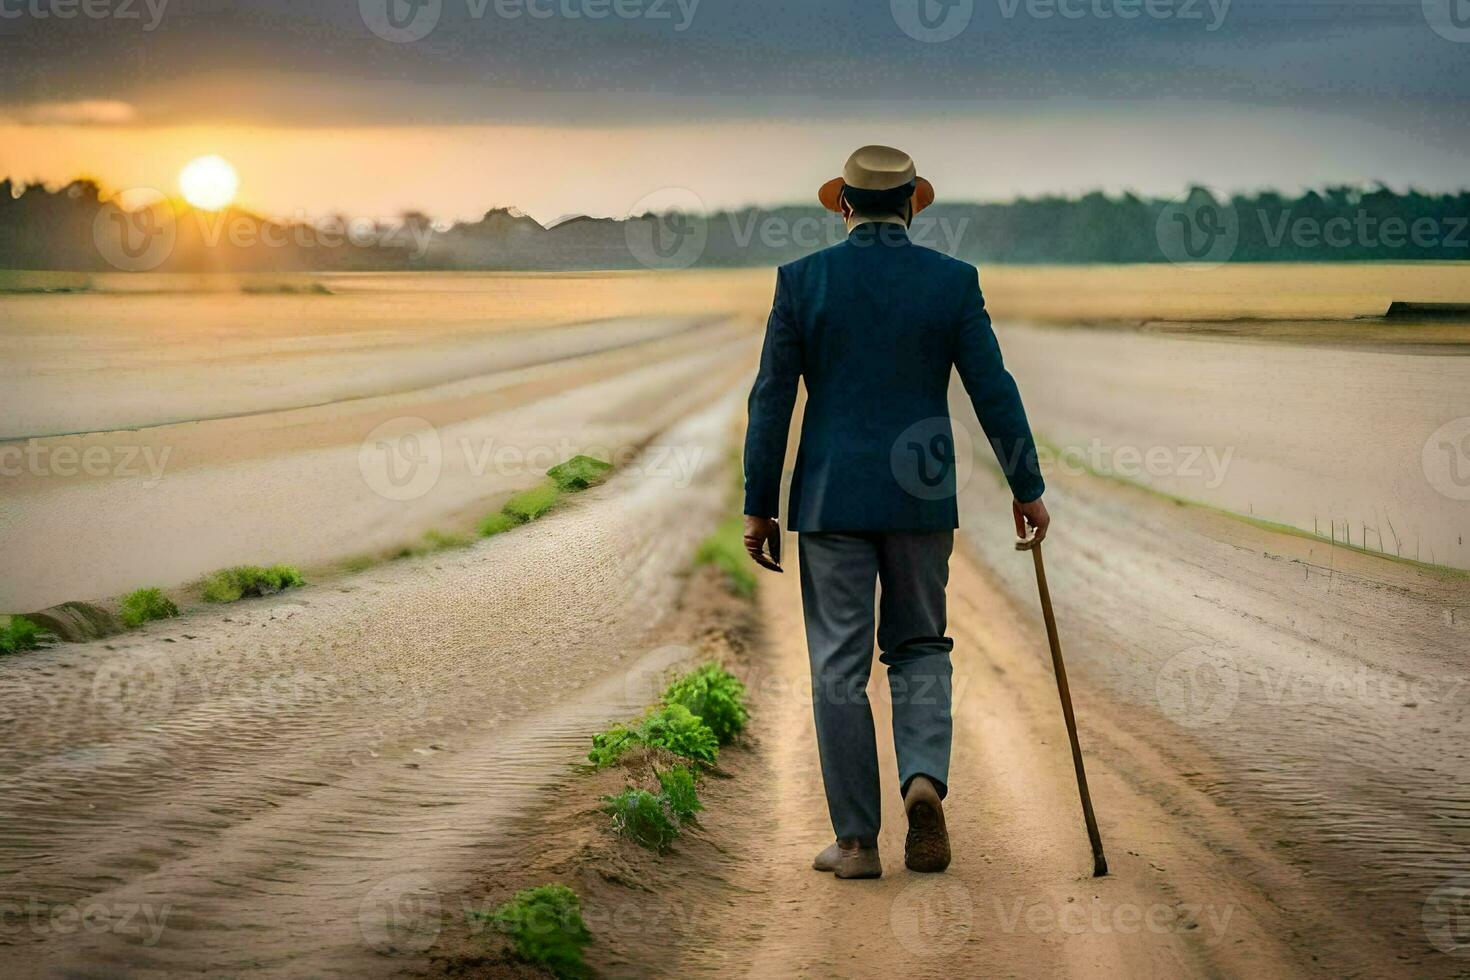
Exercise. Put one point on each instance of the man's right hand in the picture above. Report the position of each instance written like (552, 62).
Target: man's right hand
(1032, 516)
(760, 531)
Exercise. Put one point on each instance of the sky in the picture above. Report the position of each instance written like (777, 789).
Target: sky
(373, 107)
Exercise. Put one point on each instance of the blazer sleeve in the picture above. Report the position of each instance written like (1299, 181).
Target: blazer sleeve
(771, 401)
(997, 402)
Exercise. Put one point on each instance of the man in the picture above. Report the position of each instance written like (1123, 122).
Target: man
(874, 326)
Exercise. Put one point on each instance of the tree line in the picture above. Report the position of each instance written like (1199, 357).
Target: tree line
(75, 227)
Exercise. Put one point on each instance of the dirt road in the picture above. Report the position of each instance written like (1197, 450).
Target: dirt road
(1190, 893)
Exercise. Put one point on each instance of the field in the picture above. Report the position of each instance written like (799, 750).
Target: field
(1259, 560)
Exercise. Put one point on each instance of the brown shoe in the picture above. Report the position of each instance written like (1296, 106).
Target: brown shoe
(927, 846)
(846, 859)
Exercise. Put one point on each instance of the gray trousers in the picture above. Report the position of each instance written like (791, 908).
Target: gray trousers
(839, 573)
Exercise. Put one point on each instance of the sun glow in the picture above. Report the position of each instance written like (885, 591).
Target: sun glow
(209, 183)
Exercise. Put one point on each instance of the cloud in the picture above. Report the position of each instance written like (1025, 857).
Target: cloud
(86, 112)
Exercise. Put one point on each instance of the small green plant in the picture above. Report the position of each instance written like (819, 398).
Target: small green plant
(679, 793)
(725, 549)
(249, 581)
(643, 818)
(497, 523)
(545, 926)
(610, 746)
(671, 727)
(19, 633)
(714, 695)
(146, 605)
(528, 505)
(579, 473)
(676, 728)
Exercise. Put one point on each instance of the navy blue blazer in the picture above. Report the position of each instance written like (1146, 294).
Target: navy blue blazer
(874, 326)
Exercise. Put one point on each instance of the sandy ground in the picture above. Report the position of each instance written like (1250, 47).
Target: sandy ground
(1274, 726)
(1336, 440)
(249, 779)
(1192, 893)
(1189, 895)
(312, 485)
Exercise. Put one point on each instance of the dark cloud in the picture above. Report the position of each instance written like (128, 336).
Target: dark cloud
(296, 63)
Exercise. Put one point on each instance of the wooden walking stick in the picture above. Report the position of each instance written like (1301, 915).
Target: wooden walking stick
(1099, 862)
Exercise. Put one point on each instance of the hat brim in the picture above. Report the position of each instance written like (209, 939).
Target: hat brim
(830, 194)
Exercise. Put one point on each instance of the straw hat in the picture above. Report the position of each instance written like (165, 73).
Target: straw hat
(877, 168)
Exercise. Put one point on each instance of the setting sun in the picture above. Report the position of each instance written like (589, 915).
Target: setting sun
(209, 183)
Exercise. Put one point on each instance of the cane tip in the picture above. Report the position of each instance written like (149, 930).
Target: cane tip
(1099, 866)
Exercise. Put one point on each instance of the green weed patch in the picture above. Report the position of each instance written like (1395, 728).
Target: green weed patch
(716, 697)
(545, 926)
(725, 549)
(497, 523)
(671, 727)
(145, 606)
(579, 473)
(249, 581)
(643, 818)
(20, 634)
(679, 792)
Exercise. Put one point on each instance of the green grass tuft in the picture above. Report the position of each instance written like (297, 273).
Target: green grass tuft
(435, 541)
(146, 605)
(528, 505)
(497, 523)
(545, 926)
(643, 818)
(725, 549)
(249, 581)
(716, 697)
(579, 473)
(679, 794)
(20, 634)
(671, 727)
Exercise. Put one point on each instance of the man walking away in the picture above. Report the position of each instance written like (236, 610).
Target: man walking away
(874, 326)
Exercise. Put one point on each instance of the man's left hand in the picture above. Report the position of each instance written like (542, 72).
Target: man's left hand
(760, 532)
